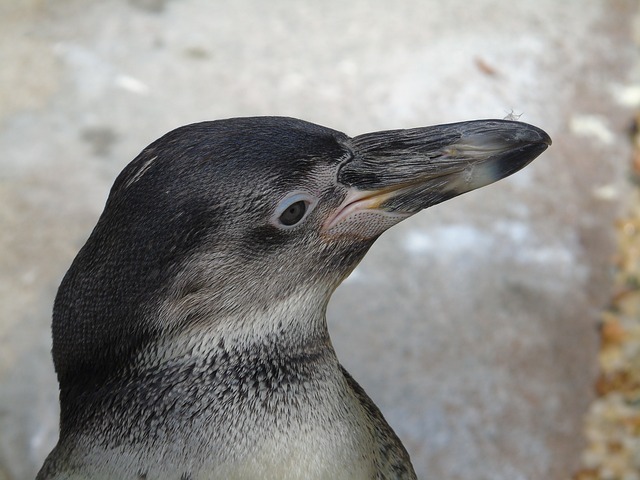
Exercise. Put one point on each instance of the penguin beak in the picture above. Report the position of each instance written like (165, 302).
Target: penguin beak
(394, 174)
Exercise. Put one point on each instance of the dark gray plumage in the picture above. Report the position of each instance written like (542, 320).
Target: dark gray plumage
(190, 338)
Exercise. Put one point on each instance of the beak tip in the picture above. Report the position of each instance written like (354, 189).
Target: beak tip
(529, 134)
(543, 137)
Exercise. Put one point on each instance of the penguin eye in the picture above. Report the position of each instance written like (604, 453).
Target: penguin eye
(293, 209)
(293, 213)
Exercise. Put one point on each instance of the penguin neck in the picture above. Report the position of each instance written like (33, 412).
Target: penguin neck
(292, 326)
(288, 344)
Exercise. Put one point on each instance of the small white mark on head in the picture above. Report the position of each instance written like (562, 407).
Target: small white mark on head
(140, 172)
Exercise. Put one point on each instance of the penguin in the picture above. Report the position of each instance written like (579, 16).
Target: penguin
(189, 334)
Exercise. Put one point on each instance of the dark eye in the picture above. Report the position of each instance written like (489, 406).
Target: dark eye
(293, 213)
(293, 209)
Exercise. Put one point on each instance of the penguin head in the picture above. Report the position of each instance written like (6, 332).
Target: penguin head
(227, 221)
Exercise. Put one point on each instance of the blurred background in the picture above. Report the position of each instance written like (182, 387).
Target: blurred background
(473, 325)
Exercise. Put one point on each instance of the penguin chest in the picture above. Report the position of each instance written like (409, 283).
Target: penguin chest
(324, 437)
(307, 454)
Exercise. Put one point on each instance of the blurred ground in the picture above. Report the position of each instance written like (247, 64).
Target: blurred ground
(472, 325)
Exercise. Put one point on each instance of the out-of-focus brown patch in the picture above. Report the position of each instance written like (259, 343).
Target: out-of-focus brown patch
(612, 426)
(485, 67)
